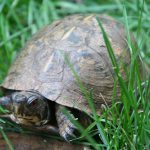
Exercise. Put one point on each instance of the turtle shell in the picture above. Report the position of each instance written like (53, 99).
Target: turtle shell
(41, 64)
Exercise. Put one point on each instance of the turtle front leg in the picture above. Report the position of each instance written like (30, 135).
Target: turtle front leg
(66, 127)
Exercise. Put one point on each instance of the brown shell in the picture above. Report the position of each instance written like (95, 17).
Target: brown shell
(41, 66)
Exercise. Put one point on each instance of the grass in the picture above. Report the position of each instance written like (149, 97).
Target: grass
(128, 129)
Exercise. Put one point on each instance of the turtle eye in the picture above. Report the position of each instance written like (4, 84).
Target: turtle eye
(32, 100)
(32, 106)
(33, 103)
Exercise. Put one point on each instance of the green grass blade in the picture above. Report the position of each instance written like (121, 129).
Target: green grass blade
(6, 139)
(88, 96)
(116, 69)
(81, 129)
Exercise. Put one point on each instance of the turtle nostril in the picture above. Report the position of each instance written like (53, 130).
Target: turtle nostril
(4, 101)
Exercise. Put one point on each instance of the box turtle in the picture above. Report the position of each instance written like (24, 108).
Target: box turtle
(40, 83)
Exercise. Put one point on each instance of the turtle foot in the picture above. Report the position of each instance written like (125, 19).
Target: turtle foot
(66, 128)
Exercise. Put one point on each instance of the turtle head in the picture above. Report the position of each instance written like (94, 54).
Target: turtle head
(26, 107)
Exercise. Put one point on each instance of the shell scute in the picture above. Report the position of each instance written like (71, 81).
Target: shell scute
(41, 64)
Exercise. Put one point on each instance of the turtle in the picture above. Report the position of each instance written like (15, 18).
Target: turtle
(40, 83)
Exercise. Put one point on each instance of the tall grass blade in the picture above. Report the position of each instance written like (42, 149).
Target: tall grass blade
(88, 96)
(6, 139)
(116, 69)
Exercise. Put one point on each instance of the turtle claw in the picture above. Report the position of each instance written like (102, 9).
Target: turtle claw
(68, 133)
(68, 137)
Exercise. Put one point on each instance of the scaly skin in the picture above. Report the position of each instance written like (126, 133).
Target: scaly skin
(66, 127)
(32, 110)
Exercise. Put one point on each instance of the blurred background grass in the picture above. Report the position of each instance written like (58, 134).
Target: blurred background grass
(19, 19)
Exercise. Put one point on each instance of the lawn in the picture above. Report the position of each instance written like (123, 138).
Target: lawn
(128, 129)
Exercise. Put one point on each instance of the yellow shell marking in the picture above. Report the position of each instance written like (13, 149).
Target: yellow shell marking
(48, 63)
(88, 17)
(68, 33)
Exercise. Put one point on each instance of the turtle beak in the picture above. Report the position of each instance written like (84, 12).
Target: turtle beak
(6, 103)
